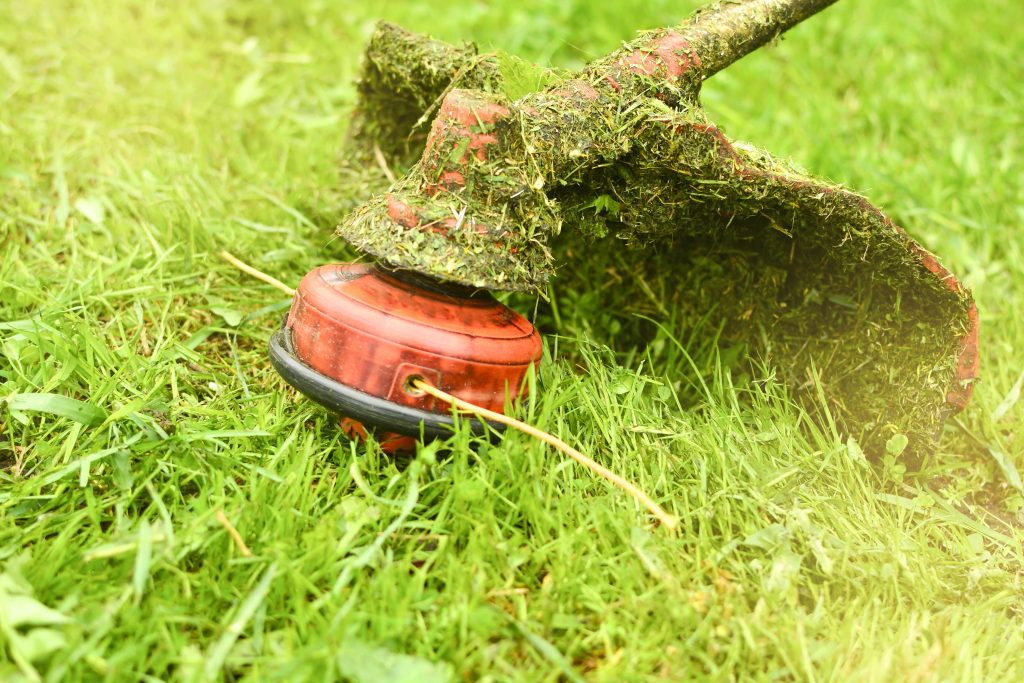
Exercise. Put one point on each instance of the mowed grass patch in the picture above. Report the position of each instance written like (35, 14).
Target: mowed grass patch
(137, 139)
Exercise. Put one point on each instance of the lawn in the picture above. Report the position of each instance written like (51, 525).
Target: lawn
(193, 518)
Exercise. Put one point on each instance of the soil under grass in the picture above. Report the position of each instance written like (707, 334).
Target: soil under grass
(137, 140)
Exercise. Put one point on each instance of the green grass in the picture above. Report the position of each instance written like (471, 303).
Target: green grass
(137, 138)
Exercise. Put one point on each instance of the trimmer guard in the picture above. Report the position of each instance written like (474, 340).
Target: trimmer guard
(801, 272)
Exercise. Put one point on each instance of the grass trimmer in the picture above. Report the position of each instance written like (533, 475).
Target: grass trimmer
(856, 316)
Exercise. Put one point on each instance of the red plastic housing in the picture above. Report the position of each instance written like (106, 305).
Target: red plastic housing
(372, 330)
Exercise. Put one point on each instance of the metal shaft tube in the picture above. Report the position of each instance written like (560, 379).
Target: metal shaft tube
(727, 31)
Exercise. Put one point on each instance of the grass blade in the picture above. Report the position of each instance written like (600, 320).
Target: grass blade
(1010, 400)
(88, 414)
(219, 652)
(143, 558)
(545, 649)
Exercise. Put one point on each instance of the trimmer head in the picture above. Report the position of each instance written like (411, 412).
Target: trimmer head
(358, 334)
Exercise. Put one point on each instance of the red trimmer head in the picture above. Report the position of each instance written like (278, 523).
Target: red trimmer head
(357, 335)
